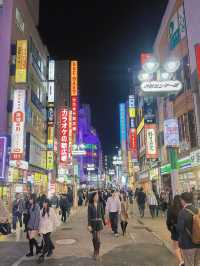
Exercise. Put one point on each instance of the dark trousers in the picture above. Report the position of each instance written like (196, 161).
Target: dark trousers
(114, 221)
(152, 209)
(141, 209)
(96, 242)
(48, 244)
(25, 221)
(123, 226)
(17, 217)
(32, 243)
(64, 215)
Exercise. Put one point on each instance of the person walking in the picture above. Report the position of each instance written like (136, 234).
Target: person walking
(152, 203)
(113, 210)
(95, 221)
(185, 227)
(26, 207)
(48, 223)
(124, 212)
(17, 210)
(5, 227)
(64, 207)
(172, 220)
(141, 200)
(33, 225)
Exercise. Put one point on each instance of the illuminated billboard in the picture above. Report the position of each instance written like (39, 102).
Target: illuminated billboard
(151, 141)
(122, 115)
(74, 78)
(18, 121)
(21, 61)
(64, 135)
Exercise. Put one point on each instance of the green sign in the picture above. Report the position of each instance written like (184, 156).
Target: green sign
(183, 163)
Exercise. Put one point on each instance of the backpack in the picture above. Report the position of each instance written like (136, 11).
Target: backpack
(195, 235)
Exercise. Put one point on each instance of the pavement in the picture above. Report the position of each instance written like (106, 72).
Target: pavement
(140, 247)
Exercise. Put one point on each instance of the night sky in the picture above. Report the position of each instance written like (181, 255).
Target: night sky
(107, 37)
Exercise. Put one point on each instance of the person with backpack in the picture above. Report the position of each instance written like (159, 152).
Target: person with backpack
(189, 231)
(172, 219)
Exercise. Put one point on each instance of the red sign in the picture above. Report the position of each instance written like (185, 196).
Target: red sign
(74, 104)
(70, 140)
(144, 57)
(64, 135)
(133, 142)
(197, 50)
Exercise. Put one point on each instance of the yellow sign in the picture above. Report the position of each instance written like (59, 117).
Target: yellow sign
(50, 136)
(21, 61)
(140, 127)
(50, 160)
(132, 112)
(37, 177)
(74, 78)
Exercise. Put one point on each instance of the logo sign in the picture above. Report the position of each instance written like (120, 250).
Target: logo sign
(3, 150)
(132, 123)
(51, 70)
(171, 132)
(18, 120)
(70, 139)
(21, 61)
(151, 142)
(50, 115)
(51, 91)
(74, 78)
(74, 104)
(132, 112)
(122, 113)
(161, 86)
(50, 160)
(64, 135)
(131, 101)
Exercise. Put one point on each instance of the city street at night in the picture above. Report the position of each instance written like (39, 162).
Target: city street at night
(100, 133)
(139, 247)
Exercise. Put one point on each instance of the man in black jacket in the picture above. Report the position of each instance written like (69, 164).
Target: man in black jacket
(141, 200)
(191, 251)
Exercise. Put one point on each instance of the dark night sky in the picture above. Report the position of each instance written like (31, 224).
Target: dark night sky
(107, 37)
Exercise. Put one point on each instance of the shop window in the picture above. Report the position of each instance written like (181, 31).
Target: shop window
(192, 129)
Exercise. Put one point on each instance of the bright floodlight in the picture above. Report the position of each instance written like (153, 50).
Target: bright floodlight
(151, 65)
(165, 76)
(172, 65)
(144, 76)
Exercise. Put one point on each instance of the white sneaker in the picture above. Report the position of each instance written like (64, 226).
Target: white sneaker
(116, 235)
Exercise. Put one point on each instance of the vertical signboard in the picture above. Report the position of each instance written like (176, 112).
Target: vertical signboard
(74, 104)
(51, 92)
(171, 132)
(18, 120)
(64, 135)
(133, 143)
(151, 141)
(3, 151)
(131, 106)
(122, 114)
(197, 51)
(70, 139)
(51, 70)
(50, 160)
(21, 61)
(74, 78)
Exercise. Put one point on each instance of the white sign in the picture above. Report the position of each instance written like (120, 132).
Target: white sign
(18, 120)
(171, 132)
(51, 91)
(51, 70)
(19, 164)
(19, 19)
(37, 153)
(161, 86)
(195, 158)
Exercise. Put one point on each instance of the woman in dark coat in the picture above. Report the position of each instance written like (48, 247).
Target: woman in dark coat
(172, 219)
(95, 221)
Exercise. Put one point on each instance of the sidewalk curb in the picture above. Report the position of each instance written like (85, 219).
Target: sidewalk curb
(164, 243)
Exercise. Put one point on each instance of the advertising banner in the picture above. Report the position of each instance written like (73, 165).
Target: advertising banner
(171, 132)
(74, 78)
(197, 51)
(18, 120)
(132, 123)
(131, 101)
(133, 143)
(50, 160)
(70, 139)
(50, 115)
(64, 135)
(21, 61)
(50, 137)
(150, 107)
(37, 153)
(3, 152)
(151, 141)
(51, 70)
(51, 92)
(74, 103)
(122, 114)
